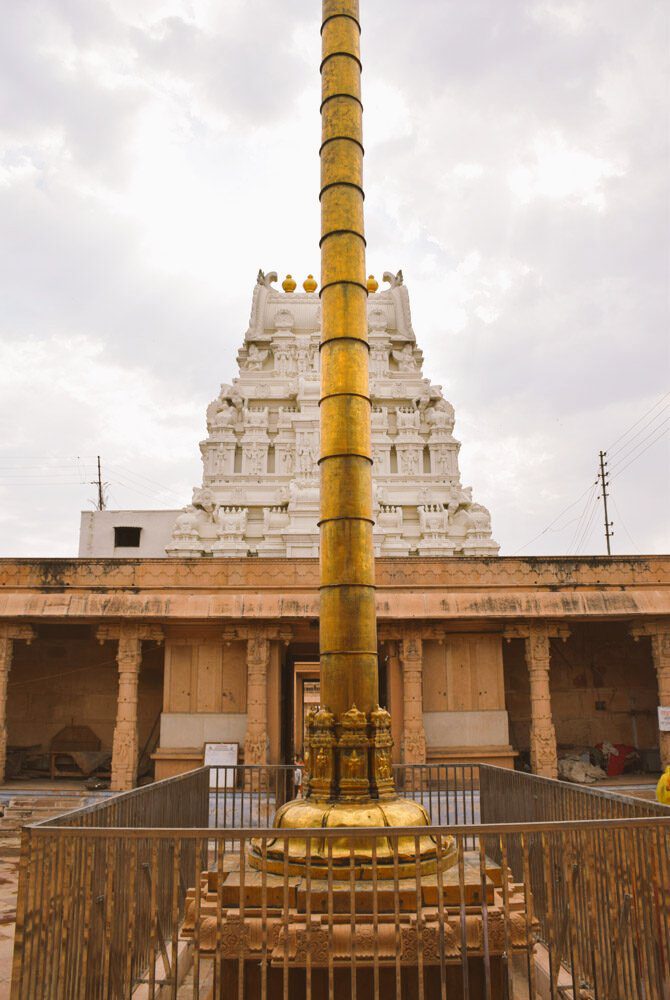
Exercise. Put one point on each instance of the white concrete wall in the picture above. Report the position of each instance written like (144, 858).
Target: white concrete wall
(96, 532)
(192, 729)
(466, 729)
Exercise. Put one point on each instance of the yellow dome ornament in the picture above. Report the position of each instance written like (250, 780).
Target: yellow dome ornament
(309, 284)
(663, 788)
(373, 284)
(288, 284)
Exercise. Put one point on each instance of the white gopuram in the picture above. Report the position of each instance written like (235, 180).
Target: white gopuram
(260, 485)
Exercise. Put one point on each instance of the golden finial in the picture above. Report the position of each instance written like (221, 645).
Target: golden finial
(309, 284)
(373, 284)
(288, 284)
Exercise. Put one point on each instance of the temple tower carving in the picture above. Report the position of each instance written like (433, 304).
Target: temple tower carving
(260, 488)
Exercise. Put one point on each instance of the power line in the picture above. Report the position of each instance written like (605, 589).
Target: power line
(611, 448)
(642, 429)
(588, 529)
(586, 509)
(583, 529)
(139, 477)
(641, 453)
(628, 452)
(552, 523)
(623, 525)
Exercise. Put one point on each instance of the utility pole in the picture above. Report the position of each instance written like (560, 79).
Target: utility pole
(603, 485)
(98, 482)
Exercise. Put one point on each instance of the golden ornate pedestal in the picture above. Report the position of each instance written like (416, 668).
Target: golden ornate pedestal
(349, 784)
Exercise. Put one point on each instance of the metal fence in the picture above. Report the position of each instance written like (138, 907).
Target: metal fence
(152, 894)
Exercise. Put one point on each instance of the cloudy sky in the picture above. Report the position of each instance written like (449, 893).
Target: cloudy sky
(155, 153)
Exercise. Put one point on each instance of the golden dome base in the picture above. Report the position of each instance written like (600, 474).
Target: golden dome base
(370, 857)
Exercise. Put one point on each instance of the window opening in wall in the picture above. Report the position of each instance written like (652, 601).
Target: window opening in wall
(271, 458)
(238, 459)
(426, 459)
(394, 459)
(127, 538)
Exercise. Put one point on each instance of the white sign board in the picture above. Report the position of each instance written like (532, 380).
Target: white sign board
(221, 755)
(664, 719)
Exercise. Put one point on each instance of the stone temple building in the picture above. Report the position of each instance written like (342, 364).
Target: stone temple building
(177, 628)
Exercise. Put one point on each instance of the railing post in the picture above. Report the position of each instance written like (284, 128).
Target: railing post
(23, 888)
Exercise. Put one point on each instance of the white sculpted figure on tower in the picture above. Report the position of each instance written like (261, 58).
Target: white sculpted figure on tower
(255, 358)
(441, 416)
(260, 490)
(405, 358)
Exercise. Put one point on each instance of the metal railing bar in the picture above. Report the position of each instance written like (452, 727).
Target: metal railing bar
(236, 833)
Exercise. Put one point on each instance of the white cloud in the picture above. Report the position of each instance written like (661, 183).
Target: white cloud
(153, 156)
(551, 169)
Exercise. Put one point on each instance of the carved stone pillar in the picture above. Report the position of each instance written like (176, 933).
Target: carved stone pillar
(395, 697)
(658, 630)
(9, 633)
(258, 661)
(125, 745)
(413, 734)
(537, 636)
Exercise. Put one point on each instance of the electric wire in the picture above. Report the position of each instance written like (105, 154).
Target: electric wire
(628, 452)
(623, 525)
(582, 517)
(588, 529)
(552, 523)
(587, 519)
(611, 448)
(624, 447)
(641, 453)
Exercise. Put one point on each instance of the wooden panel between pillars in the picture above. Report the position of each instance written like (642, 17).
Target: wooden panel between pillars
(125, 744)
(537, 636)
(658, 630)
(9, 633)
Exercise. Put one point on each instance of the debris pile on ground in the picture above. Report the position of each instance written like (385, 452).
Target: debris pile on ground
(578, 768)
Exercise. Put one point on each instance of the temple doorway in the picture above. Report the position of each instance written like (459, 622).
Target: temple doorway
(306, 696)
(301, 691)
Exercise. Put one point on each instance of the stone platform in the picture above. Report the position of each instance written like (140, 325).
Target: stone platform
(300, 929)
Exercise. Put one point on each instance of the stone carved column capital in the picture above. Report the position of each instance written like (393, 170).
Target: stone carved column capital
(542, 628)
(411, 645)
(137, 631)
(9, 631)
(654, 628)
(237, 633)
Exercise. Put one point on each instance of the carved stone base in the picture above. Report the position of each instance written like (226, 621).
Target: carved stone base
(308, 938)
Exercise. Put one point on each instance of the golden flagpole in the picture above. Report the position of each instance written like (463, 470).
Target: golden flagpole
(348, 626)
(349, 772)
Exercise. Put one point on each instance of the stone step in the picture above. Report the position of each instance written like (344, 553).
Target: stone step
(33, 809)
